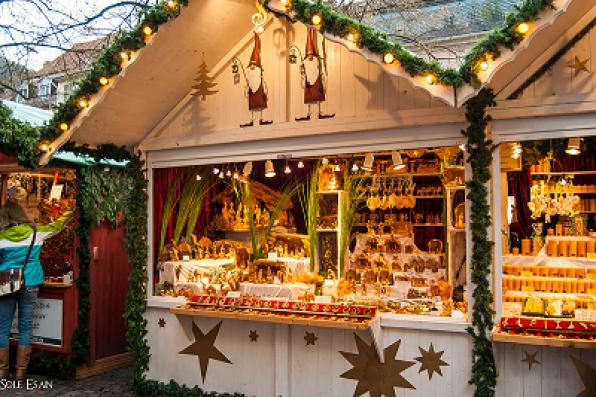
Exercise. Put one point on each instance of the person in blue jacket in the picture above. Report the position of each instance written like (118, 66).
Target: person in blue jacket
(16, 234)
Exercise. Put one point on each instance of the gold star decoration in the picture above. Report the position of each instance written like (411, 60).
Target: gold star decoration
(204, 348)
(430, 361)
(588, 377)
(530, 359)
(373, 376)
(162, 323)
(578, 65)
(253, 335)
(310, 338)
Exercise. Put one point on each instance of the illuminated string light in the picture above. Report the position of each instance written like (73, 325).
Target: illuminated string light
(215, 170)
(147, 30)
(430, 79)
(63, 126)
(484, 66)
(389, 58)
(316, 20)
(523, 28)
(83, 103)
(103, 80)
(300, 164)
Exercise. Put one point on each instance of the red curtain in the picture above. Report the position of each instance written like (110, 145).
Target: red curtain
(519, 187)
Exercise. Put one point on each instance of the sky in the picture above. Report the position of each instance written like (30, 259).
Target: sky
(38, 17)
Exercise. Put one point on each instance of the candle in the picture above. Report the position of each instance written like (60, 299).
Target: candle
(515, 251)
(563, 248)
(581, 248)
(591, 246)
(573, 248)
(559, 229)
(551, 247)
(526, 247)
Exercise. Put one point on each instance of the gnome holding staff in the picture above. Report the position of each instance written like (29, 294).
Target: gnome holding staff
(313, 72)
(256, 88)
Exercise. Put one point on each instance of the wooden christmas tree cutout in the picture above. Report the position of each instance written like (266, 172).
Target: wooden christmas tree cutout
(204, 83)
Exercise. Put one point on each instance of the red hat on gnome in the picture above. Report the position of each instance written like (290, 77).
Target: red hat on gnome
(311, 43)
(255, 57)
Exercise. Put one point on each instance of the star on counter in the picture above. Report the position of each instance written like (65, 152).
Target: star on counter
(204, 348)
(588, 377)
(578, 65)
(162, 323)
(310, 338)
(430, 361)
(530, 359)
(253, 335)
(373, 376)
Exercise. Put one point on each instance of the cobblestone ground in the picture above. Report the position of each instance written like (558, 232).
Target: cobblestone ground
(114, 383)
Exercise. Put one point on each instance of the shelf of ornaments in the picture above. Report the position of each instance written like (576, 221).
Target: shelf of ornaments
(403, 175)
(555, 341)
(563, 173)
(413, 224)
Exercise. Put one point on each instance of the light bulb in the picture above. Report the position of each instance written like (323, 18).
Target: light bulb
(355, 167)
(83, 103)
(124, 55)
(300, 164)
(171, 4)
(147, 30)
(229, 173)
(269, 169)
(236, 175)
(44, 147)
(523, 28)
(325, 161)
(287, 170)
(430, 79)
(103, 80)
(247, 170)
(215, 170)
(484, 66)
(573, 146)
(369, 160)
(63, 126)
(316, 19)
(199, 177)
(221, 175)
(388, 58)
(398, 162)
(462, 147)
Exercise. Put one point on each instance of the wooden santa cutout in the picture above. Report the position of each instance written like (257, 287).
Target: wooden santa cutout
(313, 73)
(256, 88)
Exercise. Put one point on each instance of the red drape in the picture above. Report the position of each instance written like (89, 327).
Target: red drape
(519, 187)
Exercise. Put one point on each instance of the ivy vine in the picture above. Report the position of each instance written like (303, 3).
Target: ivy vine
(479, 148)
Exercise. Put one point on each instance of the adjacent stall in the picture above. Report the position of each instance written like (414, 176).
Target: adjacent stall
(317, 223)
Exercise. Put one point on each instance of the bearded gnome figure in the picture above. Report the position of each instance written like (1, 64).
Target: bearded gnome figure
(313, 73)
(256, 87)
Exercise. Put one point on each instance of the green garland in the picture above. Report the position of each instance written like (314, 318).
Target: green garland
(505, 37)
(18, 137)
(479, 148)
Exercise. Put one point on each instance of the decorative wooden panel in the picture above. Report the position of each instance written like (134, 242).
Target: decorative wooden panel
(355, 88)
(561, 79)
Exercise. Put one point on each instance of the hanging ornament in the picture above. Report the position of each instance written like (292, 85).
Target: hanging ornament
(253, 335)
(530, 359)
(310, 338)
(430, 361)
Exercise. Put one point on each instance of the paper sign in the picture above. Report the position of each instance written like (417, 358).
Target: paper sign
(47, 322)
(56, 192)
(322, 299)
(233, 294)
(272, 255)
(512, 309)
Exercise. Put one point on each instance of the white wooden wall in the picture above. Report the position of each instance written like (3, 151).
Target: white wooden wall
(280, 363)
(561, 80)
(555, 376)
(356, 88)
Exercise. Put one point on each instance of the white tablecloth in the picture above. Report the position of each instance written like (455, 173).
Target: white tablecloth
(289, 291)
(167, 270)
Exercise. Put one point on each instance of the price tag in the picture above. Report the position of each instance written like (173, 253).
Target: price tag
(322, 299)
(512, 309)
(185, 257)
(233, 294)
(272, 255)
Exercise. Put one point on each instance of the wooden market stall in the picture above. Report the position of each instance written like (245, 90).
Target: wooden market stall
(311, 233)
(45, 194)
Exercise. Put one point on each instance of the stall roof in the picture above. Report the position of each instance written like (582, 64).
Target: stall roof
(38, 117)
(157, 79)
(29, 114)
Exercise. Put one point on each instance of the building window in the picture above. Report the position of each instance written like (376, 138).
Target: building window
(44, 90)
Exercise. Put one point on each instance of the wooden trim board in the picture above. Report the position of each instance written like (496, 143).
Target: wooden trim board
(542, 341)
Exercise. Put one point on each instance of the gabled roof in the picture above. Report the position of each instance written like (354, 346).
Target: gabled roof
(75, 60)
(157, 77)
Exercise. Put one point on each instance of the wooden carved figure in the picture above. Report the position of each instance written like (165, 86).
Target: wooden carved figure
(313, 70)
(255, 88)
